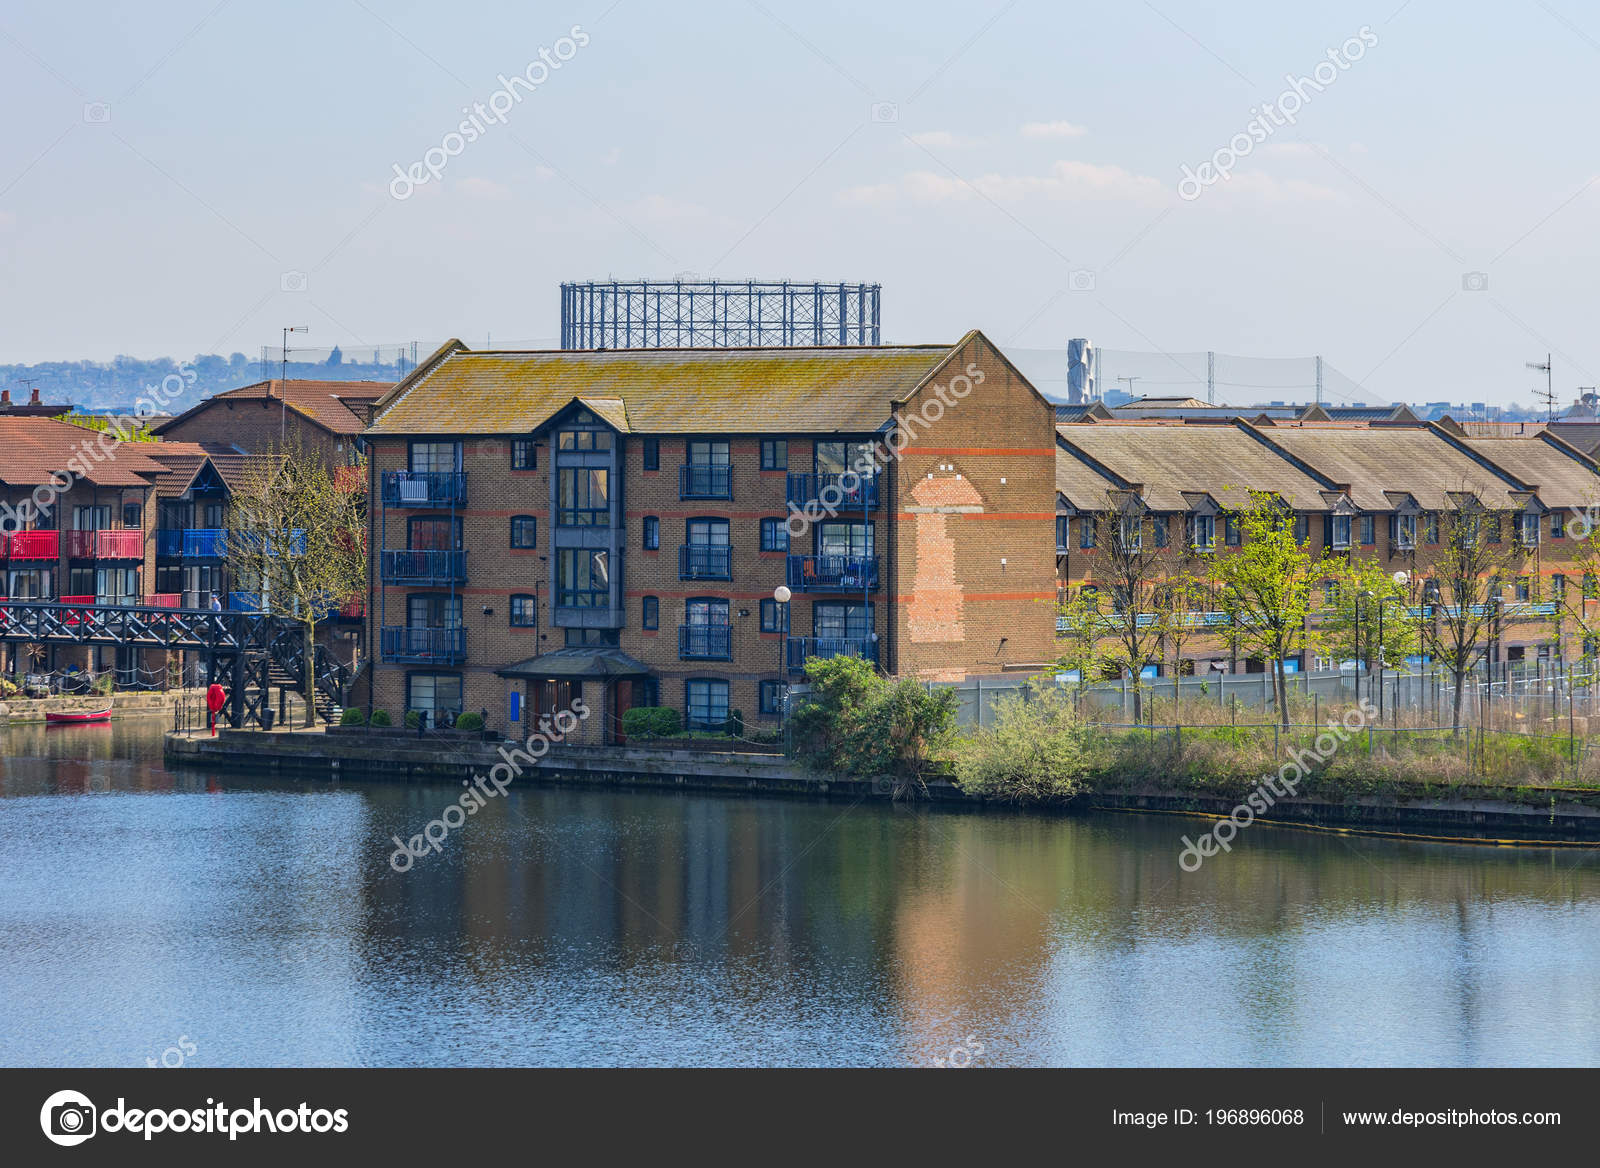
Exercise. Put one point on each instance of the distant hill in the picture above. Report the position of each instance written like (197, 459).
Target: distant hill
(117, 384)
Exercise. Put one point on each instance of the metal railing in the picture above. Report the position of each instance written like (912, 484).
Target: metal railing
(407, 644)
(437, 488)
(833, 573)
(404, 566)
(699, 561)
(705, 481)
(705, 642)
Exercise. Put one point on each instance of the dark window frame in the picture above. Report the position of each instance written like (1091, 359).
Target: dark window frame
(774, 616)
(650, 613)
(774, 454)
(523, 523)
(769, 699)
(774, 535)
(650, 533)
(523, 620)
(651, 451)
(524, 454)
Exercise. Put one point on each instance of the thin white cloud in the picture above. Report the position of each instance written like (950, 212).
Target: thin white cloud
(935, 139)
(1053, 130)
(484, 188)
(1067, 180)
(1266, 188)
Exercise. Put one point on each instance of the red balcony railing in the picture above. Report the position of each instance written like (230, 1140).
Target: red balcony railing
(72, 618)
(164, 600)
(126, 544)
(80, 544)
(36, 545)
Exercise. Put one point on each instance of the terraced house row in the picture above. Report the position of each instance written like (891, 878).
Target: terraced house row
(687, 527)
(1379, 490)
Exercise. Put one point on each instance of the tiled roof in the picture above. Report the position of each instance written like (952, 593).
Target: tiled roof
(324, 402)
(659, 391)
(182, 461)
(1081, 485)
(1562, 477)
(32, 449)
(1223, 461)
(1374, 459)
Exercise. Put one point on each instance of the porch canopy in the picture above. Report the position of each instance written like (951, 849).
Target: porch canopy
(573, 664)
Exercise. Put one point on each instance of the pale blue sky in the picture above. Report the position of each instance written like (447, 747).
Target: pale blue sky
(736, 139)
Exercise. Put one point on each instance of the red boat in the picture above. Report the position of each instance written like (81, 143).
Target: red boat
(76, 717)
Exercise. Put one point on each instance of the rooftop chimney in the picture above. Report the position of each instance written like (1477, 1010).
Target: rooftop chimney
(5, 397)
(34, 400)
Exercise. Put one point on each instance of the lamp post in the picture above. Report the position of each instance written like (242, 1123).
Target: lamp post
(781, 596)
(283, 380)
(1360, 596)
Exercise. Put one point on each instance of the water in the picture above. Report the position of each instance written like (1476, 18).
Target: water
(262, 923)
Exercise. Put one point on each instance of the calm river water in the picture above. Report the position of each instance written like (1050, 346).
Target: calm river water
(261, 924)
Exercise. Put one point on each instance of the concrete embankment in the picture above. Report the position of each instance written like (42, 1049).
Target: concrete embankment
(1532, 814)
(20, 710)
(401, 756)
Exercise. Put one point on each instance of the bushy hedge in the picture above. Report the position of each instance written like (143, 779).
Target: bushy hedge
(469, 721)
(651, 722)
(354, 717)
(380, 718)
(413, 719)
(1036, 751)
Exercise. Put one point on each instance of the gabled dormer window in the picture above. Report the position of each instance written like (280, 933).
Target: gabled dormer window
(1529, 529)
(1341, 532)
(1203, 532)
(1404, 532)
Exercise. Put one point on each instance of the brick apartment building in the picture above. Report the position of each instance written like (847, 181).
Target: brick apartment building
(323, 415)
(1375, 490)
(614, 525)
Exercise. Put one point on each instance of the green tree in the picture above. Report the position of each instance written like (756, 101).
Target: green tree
(1355, 590)
(856, 722)
(1461, 568)
(1265, 586)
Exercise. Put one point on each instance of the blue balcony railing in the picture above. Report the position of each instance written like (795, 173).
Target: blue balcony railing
(843, 492)
(447, 646)
(698, 561)
(244, 602)
(205, 543)
(709, 481)
(799, 649)
(424, 567)
(169, 541)
(833, 573)
(705, 642)
(438, 488)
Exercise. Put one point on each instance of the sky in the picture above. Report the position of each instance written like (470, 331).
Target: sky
(187, 178)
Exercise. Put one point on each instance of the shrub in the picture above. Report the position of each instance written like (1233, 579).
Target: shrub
(734, 726)
(651, 722)
(857, 722)
(1035, 751)
(380, 718)
(354, 717)
(413, 719)
(469, 721)
(102, 684)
